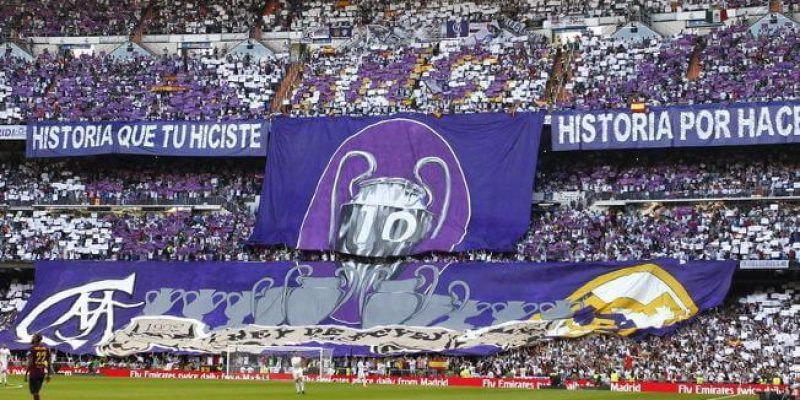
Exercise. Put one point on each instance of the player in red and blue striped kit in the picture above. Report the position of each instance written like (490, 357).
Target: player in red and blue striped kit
(38, 366)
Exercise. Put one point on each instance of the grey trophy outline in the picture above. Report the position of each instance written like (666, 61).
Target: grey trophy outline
(394, 302)
(237, 311)
(512, 311)
(162, 302)
(458, 319)
(561, 309)
(441, 306)
(315, 299)
(360, 277)
(372, 165)
(267, 307)
(202, 304)
(448, 185)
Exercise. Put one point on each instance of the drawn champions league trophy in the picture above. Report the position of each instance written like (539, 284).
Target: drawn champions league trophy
(390, 201)
(388, 216)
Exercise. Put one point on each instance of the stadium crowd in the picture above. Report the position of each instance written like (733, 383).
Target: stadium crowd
(168, 87)
(103, 17)
(512, 74)
(745, 226)
(14, 295)
(714, 231)
(310, 15)
(738, 66)
(686, 174)
(172, 235)
(503, 73)
(112, 181)
(215, 16)
(750, 339)
(732, 55)
(70, 17)
(628, 175)
(377, 83)
(420, 78)
(614, 72)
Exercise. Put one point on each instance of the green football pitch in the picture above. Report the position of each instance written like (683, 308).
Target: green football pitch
(90, 388)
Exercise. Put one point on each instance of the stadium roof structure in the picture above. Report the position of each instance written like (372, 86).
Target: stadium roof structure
(15, 51)
(253, 48)
(635, 31)
(770, 22)
(129, 50)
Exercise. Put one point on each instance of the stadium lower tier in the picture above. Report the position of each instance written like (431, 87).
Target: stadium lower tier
(732, 172)
(93, 208)
(752, 230)
(751, 338)
(532, 383)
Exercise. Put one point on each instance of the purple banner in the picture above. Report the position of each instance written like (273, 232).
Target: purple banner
(457, 28)
(121, 308)
(395, 186)
(682, 126)
(173, 138)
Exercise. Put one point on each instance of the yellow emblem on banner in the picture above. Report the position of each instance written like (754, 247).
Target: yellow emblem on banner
(623, 301)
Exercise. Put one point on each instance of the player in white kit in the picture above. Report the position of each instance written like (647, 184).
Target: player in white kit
(297, 374)
(361, 373)
(5, 357)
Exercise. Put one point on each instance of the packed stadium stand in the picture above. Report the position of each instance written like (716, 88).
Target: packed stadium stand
(460, 78)
(70, 18)
(101, 88)
(109, 181)
(688, 174)
(720, 211)
(709, 231)
(747, 340)
(603, 68)
(191, 61)
(13, 297)
(384, 79)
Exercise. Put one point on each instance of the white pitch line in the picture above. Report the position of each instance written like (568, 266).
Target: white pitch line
(726, 397)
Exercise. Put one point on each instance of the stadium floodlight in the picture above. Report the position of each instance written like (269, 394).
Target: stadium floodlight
(273, 359)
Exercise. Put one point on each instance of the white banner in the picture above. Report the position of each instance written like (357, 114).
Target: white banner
(12, 132)
(764, 264)
(145, 334)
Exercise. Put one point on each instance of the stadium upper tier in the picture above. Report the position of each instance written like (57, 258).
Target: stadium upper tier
(126, 17)
(513, 74)
(69, 17)
(732, 65)
(457, 78)
(94, 88)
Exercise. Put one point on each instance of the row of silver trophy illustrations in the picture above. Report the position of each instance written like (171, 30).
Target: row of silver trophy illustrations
(409, 301)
